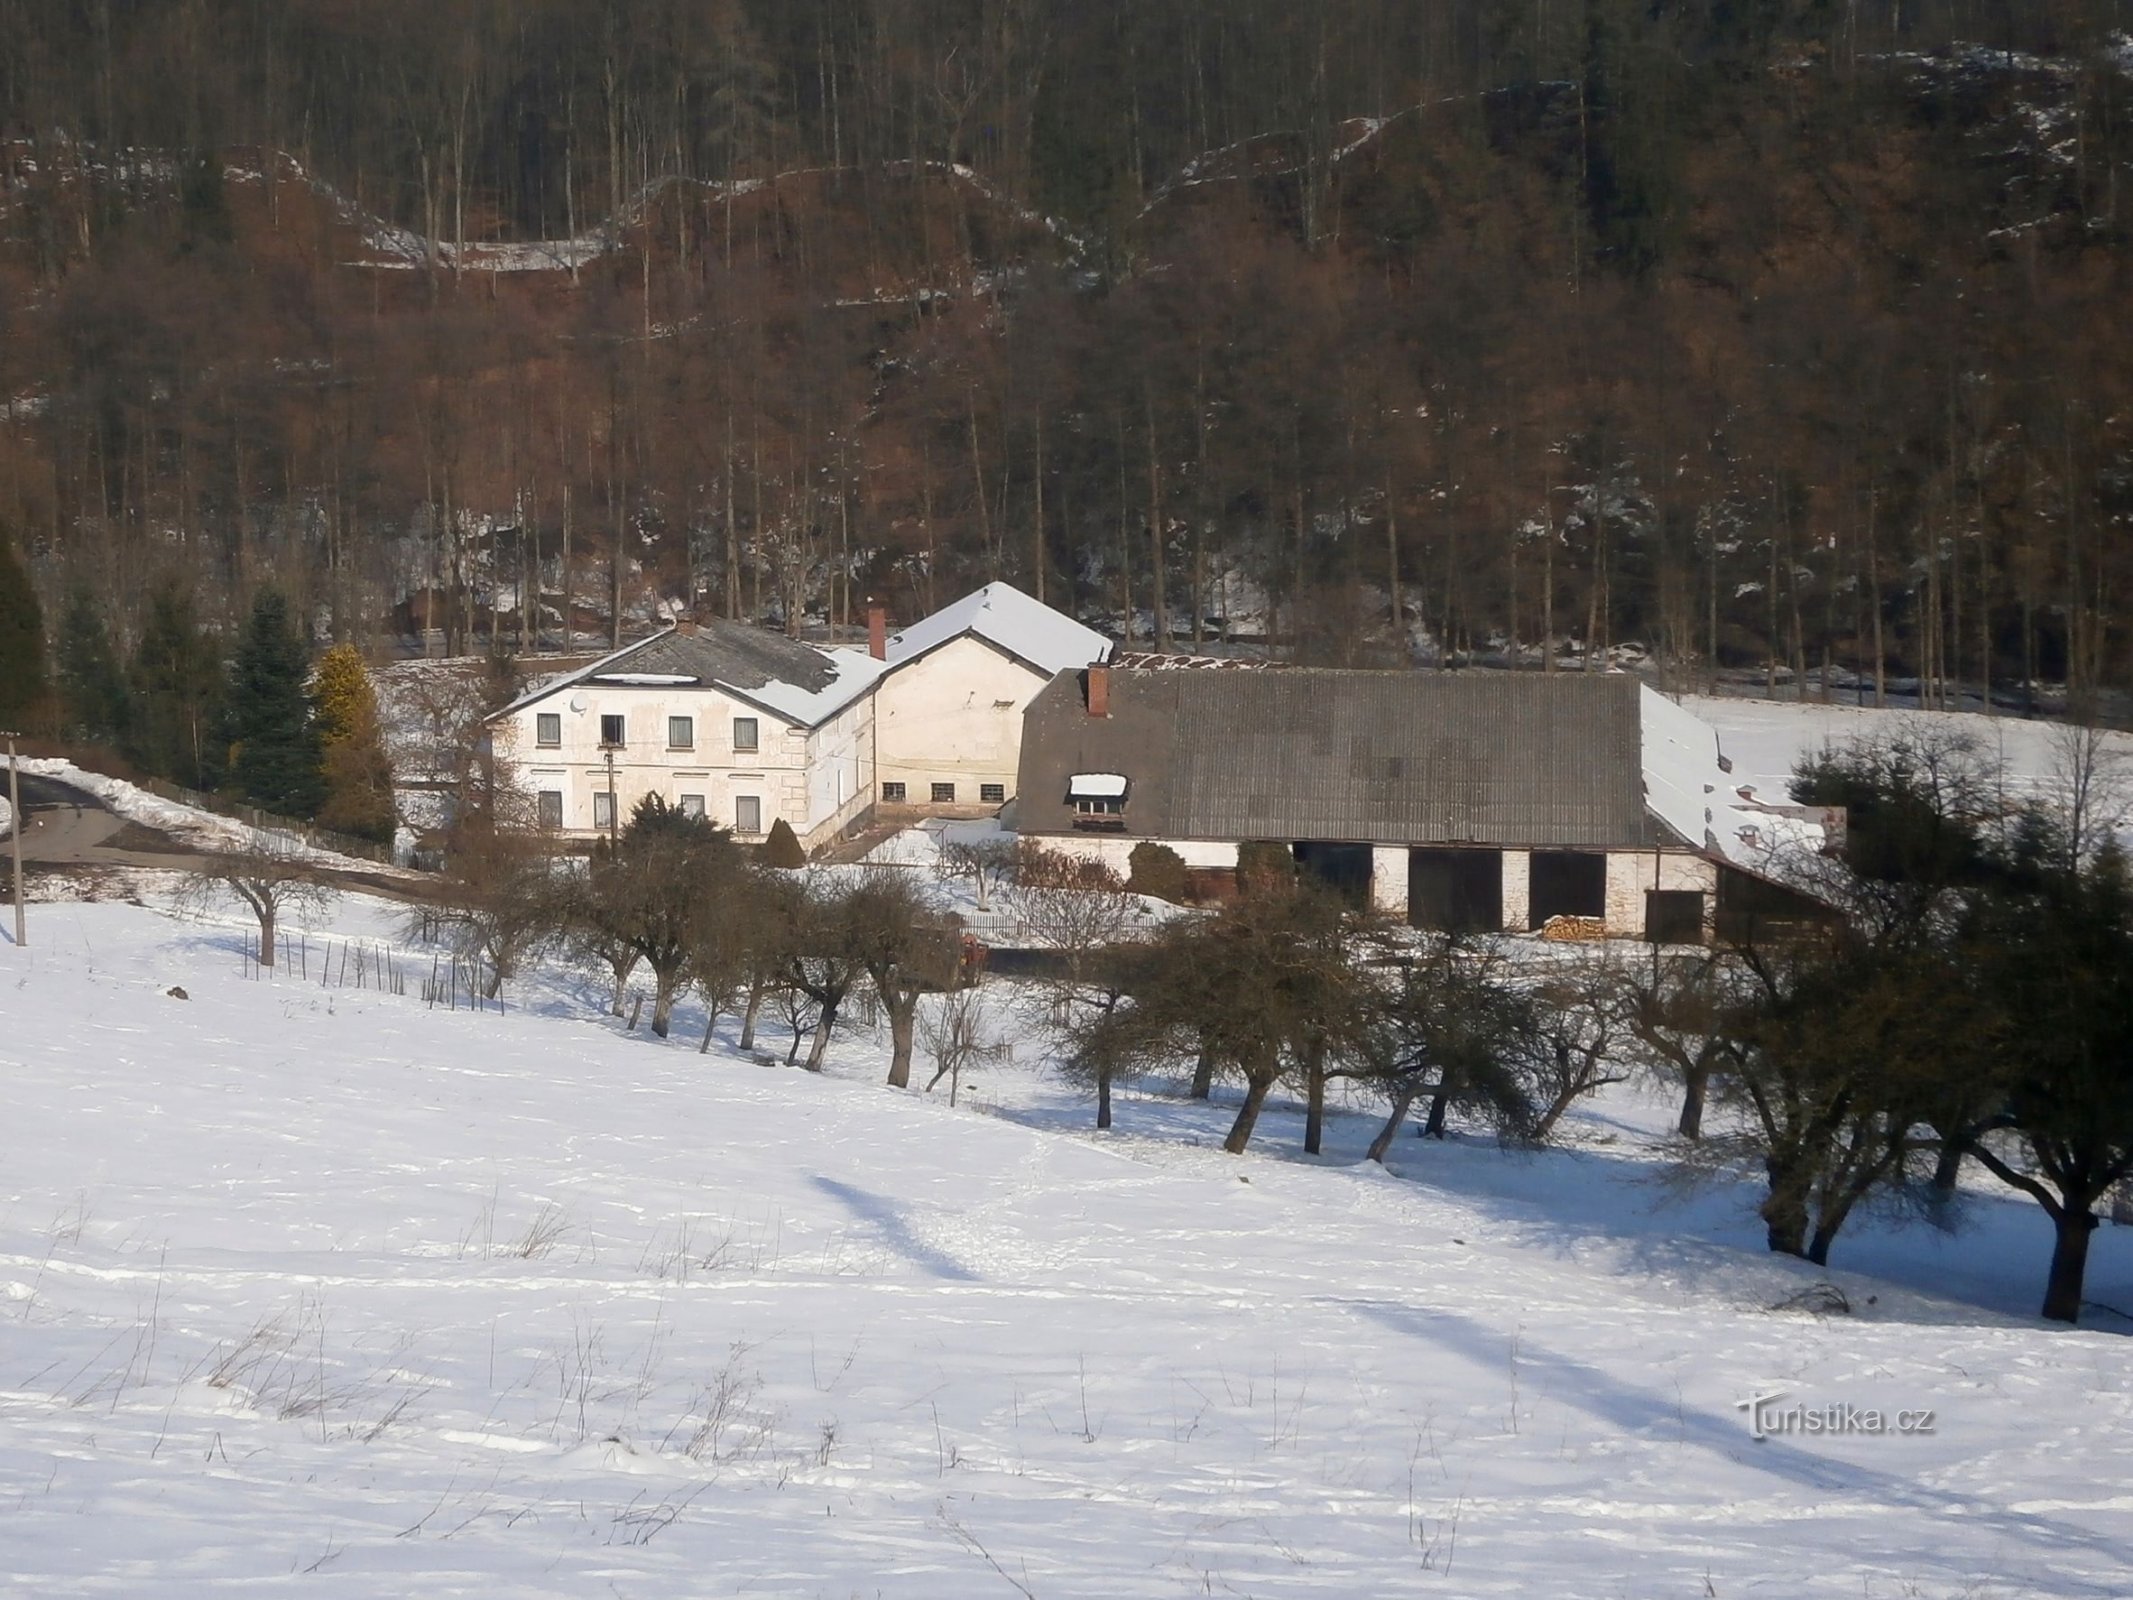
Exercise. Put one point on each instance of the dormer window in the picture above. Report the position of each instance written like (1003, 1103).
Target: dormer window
(1099, 801)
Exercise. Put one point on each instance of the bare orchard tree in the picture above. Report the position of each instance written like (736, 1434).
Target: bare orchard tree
(498, 898)
(270, 875)
(1577, 1048)
(1448, 1027)
(1085, 921)
(909, 948)
(985, 863)
(824, 959)
(957, 1036)
(1679, 1022)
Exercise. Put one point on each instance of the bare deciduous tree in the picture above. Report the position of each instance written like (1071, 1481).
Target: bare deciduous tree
(956, 1032)
(270, 875)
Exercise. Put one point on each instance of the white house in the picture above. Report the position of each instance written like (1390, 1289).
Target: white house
(948, 714)
(721, 718)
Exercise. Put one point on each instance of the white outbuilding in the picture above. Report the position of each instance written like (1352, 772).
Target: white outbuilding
(948, 714)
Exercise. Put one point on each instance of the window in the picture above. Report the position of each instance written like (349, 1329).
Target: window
(692, 805)
(1099, 801)
(551, 804)
(893, 793)
(944, 794)
(1106, 813)
(744, 733)
(681, 733)
(603, 809)
(611, 731)
(747, 813)
(548, 729)
(993, 794)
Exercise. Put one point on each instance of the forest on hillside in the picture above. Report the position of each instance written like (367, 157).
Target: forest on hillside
(1779, 336)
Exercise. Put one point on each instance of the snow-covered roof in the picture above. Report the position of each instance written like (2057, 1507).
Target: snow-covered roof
(1005, 617)
(796, 682)
(1688, 787)
(1096, 786)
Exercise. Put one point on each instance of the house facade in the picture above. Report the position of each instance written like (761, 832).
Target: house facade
(1479, 801)
(723, 719)
(948, 714)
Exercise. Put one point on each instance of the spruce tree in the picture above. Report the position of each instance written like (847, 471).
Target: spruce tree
(22, 680)
(94, 699)
(177, 694)
(359, 778)
(274, 741)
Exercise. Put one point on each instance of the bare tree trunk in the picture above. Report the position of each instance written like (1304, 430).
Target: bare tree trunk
(1402, 1101)
(754, 1009)
(1155, 531)
(1315, 1107)
(1257, 1086)
(1203, 1075)
(2070, 1262)
(903, 1019)
(819, 1048)
(1695, 1086)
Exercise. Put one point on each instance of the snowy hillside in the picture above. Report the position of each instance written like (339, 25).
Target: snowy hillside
(306, 1286)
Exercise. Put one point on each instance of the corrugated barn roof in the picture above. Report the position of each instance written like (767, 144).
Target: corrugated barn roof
(1362, 757)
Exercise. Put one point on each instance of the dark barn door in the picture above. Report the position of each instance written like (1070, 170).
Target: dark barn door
(1343, 868)
(1455, 891)
(1568, 883)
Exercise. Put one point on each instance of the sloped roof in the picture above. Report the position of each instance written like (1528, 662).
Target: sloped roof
(1364, 757)
(796, 682)
(1002, 615)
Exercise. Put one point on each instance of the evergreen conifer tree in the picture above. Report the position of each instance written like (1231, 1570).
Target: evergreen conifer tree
(274, 741)
(359, 778)
(782, 847)
(177, 694)
(94, 698)
(22, 679)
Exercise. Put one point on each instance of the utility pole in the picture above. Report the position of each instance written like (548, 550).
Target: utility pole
(614, 821)
(14, 811)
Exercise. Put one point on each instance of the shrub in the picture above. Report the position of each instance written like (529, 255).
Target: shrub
(782, 848)
(1156, 870)
(1039, 868)
(1264, 864)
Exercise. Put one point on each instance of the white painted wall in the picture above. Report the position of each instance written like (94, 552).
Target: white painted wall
(1517, 891)
(1388, 879)
(1116, 849)
(1631, 873)
(818, 781)
(953, 715)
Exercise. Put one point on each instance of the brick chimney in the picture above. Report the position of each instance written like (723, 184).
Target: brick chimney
(1099, 682)
(877, 633)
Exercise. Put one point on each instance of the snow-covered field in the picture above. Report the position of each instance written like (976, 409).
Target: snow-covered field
(319, 1287)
